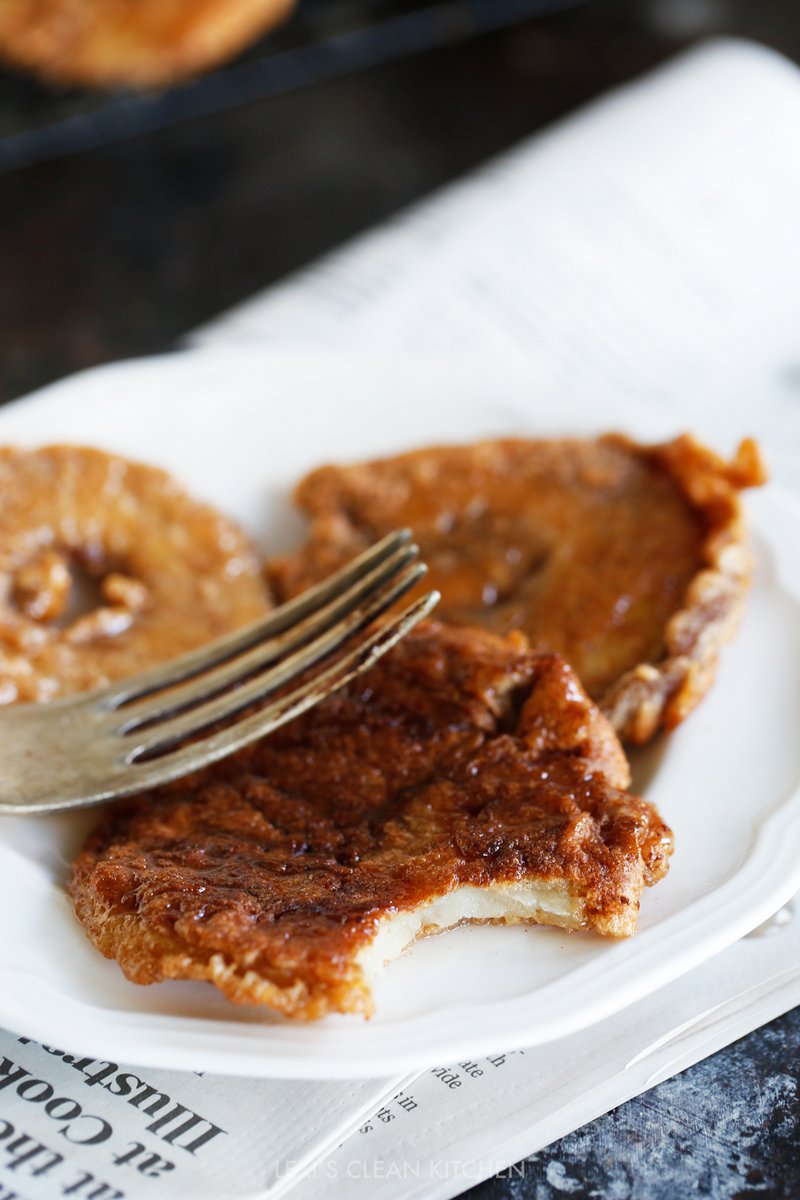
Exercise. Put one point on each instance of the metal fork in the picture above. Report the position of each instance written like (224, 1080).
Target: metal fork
(133, 735)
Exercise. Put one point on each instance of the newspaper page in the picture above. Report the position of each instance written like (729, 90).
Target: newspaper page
(98, 1130)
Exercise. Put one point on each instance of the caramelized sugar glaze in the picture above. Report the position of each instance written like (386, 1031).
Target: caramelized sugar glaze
(629, 561)
(461, 759)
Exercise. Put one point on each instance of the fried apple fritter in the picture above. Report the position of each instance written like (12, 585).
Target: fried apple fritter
(135, 42)
(170, 573)
(462, 778)
(631, 561)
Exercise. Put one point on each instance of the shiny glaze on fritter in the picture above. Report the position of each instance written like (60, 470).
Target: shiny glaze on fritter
(460, 759)
(630, 561)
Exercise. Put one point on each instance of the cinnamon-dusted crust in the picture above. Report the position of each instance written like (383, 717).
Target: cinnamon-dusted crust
(136, 42)
(631, 561)
(170, 573)
(462, 778)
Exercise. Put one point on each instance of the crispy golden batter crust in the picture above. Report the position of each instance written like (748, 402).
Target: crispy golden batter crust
(630, 561)
(460, 759)
(171, 574)
(136, 42)
(661, 692)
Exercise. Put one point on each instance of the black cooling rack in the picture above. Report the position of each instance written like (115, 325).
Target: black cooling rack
(324, 40)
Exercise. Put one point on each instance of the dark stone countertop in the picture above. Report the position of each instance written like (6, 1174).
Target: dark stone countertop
(136, 220)
(728, 1129)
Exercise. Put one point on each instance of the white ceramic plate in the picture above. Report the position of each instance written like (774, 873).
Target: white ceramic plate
(239, 429)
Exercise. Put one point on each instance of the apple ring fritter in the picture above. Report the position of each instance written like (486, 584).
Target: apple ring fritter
(161, 573)
(631, 561)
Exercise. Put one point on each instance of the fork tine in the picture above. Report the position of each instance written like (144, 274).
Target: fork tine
(276, 622)
(164, 734)
(237, 670)
(154, 772)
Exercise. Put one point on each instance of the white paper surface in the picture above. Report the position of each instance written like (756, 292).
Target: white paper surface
(646, 248)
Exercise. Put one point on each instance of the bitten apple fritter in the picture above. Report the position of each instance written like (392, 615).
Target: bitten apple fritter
(462, 779)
